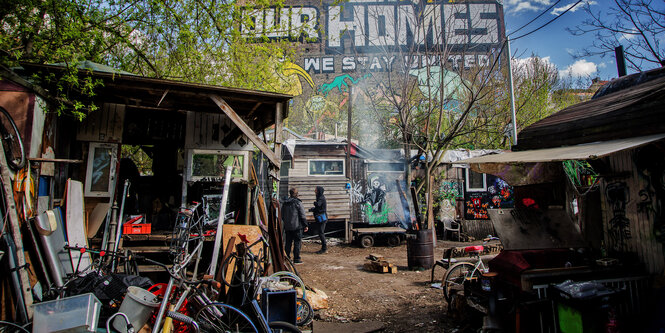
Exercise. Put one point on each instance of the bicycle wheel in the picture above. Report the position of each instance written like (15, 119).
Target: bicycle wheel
(293, 279)
(304, 312)
(282, 327)
(455, 277)
(11, 141)
(220, 317)
(7, 327)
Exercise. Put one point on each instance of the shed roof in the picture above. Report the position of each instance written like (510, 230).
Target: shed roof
(139, 92)
(635, 110)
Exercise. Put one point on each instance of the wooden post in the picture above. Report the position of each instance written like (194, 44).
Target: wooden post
(26, 288)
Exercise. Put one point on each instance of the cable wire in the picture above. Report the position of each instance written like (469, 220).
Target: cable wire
(546, 24)
(535, 18)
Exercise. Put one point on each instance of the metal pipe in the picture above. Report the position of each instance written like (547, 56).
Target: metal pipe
(512, 94)
(220, 221)
(162, 307)
(118, 230)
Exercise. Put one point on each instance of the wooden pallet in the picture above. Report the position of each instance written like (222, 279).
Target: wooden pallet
(377, 263)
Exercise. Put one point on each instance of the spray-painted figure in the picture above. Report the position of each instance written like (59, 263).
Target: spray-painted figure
(376, 209)
(619, 225)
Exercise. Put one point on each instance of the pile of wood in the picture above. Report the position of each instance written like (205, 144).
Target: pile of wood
(377, 263)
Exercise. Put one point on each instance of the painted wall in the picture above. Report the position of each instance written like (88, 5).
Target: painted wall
(358, 42)
(380, 200)
(633, 206)
(498, 195)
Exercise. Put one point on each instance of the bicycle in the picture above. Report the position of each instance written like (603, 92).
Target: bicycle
(454, 279)
(11, 141)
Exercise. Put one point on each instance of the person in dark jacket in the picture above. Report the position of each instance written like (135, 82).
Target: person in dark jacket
(294, 221)
(320, 211)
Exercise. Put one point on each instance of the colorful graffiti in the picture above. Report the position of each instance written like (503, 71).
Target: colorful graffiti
(340, 82)
(434, 80)
(498, 195)
(476, 207)
(617, 195)
(447, 194)
(374, 201)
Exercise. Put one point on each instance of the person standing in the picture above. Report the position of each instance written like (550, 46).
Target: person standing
(293, 218)
(320, 211)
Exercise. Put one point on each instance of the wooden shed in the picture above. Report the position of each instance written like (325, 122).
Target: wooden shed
(615, 192)
(310, 163)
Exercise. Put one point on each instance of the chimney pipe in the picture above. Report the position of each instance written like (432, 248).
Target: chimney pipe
(621, 60)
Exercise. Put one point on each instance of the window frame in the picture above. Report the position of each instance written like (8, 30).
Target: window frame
(467, 183)
(310, 160)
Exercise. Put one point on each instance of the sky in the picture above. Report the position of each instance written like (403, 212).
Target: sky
(553, 42)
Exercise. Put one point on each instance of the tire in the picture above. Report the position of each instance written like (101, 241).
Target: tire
(230, 320)
(366, 241)
(393, 240)
(283, 327)
(454, 279)
(11, 141)
(304, 312)
(293, 279)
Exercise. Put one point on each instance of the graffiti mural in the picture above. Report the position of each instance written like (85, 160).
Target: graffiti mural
(652, 171)
(381, 201)
(617, 195)
(376, 209)
(498, 195)
(447, 194)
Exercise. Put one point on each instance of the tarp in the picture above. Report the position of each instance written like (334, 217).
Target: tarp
(535, 166)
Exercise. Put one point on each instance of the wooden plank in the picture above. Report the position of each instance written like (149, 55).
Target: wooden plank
(15, 229)
(226, 108)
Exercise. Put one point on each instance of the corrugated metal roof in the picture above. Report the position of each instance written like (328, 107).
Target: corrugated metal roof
(578, 152)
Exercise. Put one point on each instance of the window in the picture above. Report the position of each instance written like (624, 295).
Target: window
(326, 167)
(101, 169)
(284, 169)
(475, 182)
(211, 165)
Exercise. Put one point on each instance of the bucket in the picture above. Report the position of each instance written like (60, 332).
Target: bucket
(420, 250)
(138, 305)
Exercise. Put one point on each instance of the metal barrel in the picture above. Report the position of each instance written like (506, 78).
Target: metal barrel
(420, 249)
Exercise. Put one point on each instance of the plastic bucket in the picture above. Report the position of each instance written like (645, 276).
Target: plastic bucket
(138, 305)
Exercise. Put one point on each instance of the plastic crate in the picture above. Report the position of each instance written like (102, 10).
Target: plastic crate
(71, 314)
(279, 305)
(136, 229)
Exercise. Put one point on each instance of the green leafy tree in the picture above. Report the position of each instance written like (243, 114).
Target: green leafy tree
(192, 40)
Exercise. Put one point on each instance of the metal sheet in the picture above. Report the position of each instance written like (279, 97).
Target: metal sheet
(532, 230)
(577, 152)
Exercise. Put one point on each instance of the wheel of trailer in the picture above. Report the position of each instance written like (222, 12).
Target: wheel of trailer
(393, 240)
(367, 241)
(454, 279)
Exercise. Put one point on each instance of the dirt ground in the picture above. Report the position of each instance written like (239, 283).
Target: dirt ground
(403, 302)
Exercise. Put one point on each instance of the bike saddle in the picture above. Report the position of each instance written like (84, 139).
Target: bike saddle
(474, 249)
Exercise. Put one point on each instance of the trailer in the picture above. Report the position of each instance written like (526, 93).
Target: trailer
(366, 237)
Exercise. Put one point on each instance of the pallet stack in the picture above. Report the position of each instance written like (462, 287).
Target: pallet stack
(377, 263)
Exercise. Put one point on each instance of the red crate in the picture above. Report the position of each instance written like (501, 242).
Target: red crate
(136, 229)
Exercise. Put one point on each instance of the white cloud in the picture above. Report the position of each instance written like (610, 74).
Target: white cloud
(560, 10)
(602, 65)
(516, 6)
(580, 69)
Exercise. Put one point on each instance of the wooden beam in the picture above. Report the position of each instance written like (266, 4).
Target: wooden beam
(226, 108)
